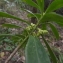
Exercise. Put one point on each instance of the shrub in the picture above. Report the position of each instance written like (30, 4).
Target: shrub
(34, 50)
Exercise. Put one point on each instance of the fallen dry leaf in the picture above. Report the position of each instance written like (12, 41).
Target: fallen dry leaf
(2, 54)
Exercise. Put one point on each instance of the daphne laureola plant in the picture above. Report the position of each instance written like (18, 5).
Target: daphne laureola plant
(34, 50)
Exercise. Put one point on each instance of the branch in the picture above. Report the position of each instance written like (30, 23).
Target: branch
(13, 53)
(16, 49)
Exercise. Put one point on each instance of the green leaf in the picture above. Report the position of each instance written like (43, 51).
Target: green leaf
(7, 35)
(41, 5)
(56, 4)
(37, 15)
(8, 48)
(31, 3)
(11, 26)
(3, 14)
(35, 52)
(52, 16)
(60, 24)
(7, 40)
(13, 37)
(61, 58)
(30, 12)
(52, 55)
(44, 26)
(54, 30)
(16, 39)
(2, 35)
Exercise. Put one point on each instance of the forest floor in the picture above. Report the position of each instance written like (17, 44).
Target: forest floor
(5, 49)
(19, 56)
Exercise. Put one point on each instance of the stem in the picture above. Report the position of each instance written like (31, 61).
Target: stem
(39, 21)
(21, 44)
(50, 50)
(16, 49)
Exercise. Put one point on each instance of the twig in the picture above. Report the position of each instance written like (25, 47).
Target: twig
(13, 53)
(16, 49)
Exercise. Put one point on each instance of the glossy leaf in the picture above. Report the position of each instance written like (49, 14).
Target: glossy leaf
(11, 26)
(35, 52)
(41, 5)
(3, 14)
(54, 30)
(31, 3)
(56, 4)
(52, 55)
(52, 16)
